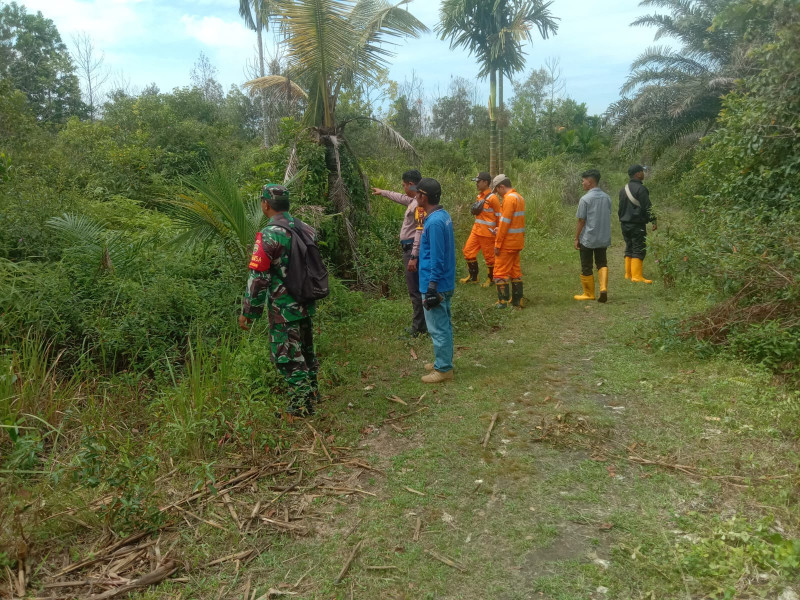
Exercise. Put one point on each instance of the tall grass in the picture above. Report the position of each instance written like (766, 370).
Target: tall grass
(30, 383)
(34, 399)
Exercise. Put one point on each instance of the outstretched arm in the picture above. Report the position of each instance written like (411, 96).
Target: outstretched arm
(393, 196)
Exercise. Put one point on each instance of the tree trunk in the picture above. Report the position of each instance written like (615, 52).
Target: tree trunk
(261, 73)
(340, 199)
(493, 122)
(501, 163)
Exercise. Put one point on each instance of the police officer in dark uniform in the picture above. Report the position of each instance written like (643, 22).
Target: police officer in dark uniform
(635, 212)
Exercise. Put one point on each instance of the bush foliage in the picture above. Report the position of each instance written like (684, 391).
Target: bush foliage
(744, 194)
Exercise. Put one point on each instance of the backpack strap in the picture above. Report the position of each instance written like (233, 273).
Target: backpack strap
(282, 223)
(631, 197)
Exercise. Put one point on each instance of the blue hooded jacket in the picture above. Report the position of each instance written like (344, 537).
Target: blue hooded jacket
(437, 252)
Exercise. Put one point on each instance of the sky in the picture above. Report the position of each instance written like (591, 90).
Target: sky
(159, 41)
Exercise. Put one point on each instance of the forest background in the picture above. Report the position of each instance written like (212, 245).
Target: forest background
(126, 220)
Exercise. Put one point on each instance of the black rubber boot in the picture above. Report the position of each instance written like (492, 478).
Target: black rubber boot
(472, 266)
(489, 278)
(502, 294)
(516, 294)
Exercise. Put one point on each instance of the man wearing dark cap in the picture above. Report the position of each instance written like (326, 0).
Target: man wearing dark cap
(437, 277)
(290, 328)
(486, 210)
(410, 233)
(635, 212)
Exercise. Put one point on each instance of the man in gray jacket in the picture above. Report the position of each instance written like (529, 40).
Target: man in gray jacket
(593, 235)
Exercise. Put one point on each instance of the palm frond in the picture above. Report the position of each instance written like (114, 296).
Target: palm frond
(665, 57)
(217, 212)
(276, 84)
(201, 222)
(319, 41)
(375, 24)
(78, 229)
(391, 134)
(245, 11)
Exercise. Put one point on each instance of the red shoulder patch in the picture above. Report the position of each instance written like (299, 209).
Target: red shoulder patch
(259, 261)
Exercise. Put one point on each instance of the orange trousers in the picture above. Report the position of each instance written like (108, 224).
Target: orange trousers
(506, 265)
(480, 243)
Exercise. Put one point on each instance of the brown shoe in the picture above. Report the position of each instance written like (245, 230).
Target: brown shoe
(437, 377)
(429, 367)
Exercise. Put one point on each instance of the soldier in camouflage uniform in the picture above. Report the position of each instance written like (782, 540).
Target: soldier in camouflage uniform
(290, 327)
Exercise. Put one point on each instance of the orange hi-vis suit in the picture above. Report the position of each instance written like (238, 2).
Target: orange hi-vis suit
(510, 237)
(481, 239)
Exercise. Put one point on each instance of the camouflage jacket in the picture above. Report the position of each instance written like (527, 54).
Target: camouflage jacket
(268, 269)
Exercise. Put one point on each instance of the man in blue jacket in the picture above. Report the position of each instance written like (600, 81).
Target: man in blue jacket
(437, 278)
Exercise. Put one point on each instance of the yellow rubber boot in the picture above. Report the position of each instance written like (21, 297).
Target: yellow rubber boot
(588, 288)
(636, 271)
(602, 274)
(627, 267)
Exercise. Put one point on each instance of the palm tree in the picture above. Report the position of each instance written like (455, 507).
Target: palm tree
(674, 96)
(332, 45)
(256, 15)
(216, 210)
(495, 31)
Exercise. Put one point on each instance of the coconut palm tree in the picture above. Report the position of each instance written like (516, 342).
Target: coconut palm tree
(495, 32)
(332, 45)
(256, 15)
(674, 95)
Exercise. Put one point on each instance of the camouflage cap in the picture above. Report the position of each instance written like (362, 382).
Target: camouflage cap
(276, 196)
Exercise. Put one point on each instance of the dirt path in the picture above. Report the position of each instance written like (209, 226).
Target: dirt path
(558, 505)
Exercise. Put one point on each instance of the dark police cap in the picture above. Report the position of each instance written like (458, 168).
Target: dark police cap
(634, 169)
(430, 187)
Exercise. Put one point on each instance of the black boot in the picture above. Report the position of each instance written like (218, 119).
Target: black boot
(516, 294)
(502, 294)
(472, 265)
(489, 278)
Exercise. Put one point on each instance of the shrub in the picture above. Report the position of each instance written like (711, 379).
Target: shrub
(743, 244)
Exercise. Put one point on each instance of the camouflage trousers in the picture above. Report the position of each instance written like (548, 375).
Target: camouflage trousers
(292, 347)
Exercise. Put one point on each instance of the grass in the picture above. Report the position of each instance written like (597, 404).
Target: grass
(556, 506)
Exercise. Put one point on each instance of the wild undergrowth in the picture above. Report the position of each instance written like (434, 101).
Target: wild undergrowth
(739, 246)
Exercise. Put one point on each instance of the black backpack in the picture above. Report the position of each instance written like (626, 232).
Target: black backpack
(307, 276)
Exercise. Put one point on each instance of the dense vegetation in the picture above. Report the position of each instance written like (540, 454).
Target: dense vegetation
(123, 236)
(742, 244)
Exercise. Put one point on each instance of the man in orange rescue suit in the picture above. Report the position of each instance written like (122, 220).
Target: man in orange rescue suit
(486, 210)
(508, 243)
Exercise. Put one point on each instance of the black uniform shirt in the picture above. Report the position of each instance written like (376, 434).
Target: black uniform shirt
(630, 213)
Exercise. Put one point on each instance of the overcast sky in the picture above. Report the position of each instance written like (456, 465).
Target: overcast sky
(158, 41)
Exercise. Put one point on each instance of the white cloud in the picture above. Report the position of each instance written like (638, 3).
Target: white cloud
(159, 40)
(107, 22)
(217, 33)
